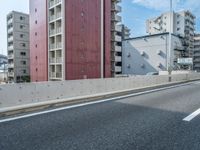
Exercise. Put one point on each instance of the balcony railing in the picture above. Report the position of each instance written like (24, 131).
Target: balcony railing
(58, 74)
(52, 46)
(59, 45)
(11, 74)
(52, 75)
(58, 30)
(59, 60)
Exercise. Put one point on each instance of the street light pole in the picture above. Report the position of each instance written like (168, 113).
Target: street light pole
(170, 40)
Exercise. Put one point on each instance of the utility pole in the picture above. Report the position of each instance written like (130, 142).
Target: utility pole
(170, 41)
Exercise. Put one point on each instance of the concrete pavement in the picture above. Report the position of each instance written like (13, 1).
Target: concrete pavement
(151, 121)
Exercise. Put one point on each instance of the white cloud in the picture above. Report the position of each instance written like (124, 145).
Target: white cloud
(163, 5)
(156, 4)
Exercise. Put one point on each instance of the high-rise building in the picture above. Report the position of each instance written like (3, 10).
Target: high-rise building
(18, 47)
(73, 39)
(182, 25)
(196, 64)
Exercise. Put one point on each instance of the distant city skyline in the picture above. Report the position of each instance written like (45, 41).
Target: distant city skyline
(134, 14)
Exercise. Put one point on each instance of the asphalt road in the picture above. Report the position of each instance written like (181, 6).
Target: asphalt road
(151, 121)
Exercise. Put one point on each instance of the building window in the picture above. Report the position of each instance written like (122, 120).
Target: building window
(35, 33)
(23, 62)
(23, 53)
(35, 9)
(22, 18)
(24, 71)
(35, 21)
(23, 44)
(21, 35)
(35, 45)
(22, 26)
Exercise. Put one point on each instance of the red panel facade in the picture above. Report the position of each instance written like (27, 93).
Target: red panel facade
(38, 40)
(107, 38)
(83, 37)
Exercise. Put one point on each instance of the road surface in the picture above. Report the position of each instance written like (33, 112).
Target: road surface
(153, 121)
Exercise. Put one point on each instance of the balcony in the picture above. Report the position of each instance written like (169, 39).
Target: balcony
(11, 65)
(52, 60)
(58, 15)
(116, 1)
(51, 4)
(10, 21)
(10, 30)
(117, 28)
(10, 56)
(57, 2)
(58, 30)
(52, 46)
(59, 45)
(59, 60)
(52, 32)
(117, 48)
(55, 75)
(197, 60)
(11, 74)
(116, 18)
(10, 39)
(117, 59)
(10, 47)
(52, 74)
(58, 74)
(116, 8)
(116, 38)
(118, 69)
(51, 18)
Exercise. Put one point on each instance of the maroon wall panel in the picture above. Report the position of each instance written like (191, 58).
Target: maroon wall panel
(38, 40)
(83, 51)
(107, 38)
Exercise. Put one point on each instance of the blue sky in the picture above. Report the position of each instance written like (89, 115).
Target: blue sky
(134, 13)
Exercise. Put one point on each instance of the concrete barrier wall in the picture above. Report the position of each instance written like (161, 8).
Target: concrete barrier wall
(31, 93)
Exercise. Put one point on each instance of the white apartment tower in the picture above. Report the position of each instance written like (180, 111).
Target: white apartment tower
(182, 25)
(196, 57)
(116, 44)
(18, 47)
(56, 30)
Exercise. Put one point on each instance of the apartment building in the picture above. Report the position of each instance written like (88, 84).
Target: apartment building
(196, 57)
(18, 47)
(182, 25)
(150, 53)
(74, 39)
(125, 32)
(3, 68)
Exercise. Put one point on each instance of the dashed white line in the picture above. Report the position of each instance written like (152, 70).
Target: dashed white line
(192, 116)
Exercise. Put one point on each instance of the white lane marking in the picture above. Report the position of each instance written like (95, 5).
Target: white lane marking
(91, 103)
(192, 115)
(197, 83)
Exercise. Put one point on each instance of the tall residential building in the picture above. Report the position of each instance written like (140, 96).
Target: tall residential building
(18, 47)
(73, 39)
(196, 57)
(125, 32)
(182, 24)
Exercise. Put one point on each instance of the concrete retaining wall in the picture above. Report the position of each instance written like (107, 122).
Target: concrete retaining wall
(32, 93)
